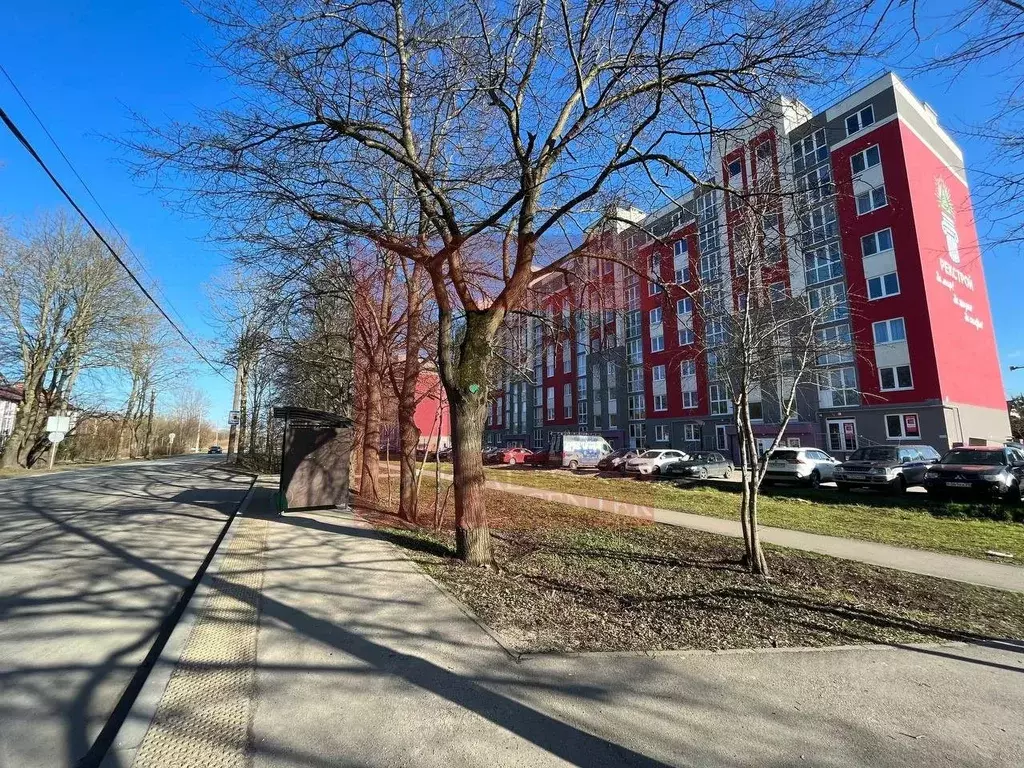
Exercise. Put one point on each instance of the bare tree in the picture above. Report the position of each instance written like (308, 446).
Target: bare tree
(498, 124)
(63, 299)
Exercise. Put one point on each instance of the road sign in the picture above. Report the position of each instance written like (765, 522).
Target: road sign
(58, 424)
(170, 438)
(234, 417)
(56, 437)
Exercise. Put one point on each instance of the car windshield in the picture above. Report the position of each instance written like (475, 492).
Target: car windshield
(782, 455)
(874, 454)
(955, 456)
(651, 454)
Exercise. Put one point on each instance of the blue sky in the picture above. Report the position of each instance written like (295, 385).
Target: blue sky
(86, 66)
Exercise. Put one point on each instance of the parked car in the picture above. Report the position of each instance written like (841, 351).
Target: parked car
(809, 466)
(514, 455)
(986, 472)
(538, 458)
(215, 449)
(653, 461)
(616, 460)
(702, 465)
(445, 454)
(574, 450)
(492, 455)
(888, 467)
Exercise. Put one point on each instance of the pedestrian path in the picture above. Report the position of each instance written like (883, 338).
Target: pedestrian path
(361, 660)
(953, 567)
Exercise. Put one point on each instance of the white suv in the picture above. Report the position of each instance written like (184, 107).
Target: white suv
(653, 461)
(810, 466)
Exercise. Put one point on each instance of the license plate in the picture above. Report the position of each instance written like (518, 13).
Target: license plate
(777, 464)
(957, 484)
(856, 477)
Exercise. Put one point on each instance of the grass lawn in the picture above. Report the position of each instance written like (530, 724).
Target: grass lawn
(907, 521)
(572, 579)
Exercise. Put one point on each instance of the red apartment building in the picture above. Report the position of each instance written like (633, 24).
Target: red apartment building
(880, 230)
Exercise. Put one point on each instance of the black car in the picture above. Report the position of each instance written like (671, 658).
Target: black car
(702, 464)
(987, 472)
(616, 460)
(887, 467)
(215, 449)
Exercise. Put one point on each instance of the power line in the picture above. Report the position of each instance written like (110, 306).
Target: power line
(16, 132)
(124, 241)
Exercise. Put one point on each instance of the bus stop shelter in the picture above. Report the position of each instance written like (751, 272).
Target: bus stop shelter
(315, 451)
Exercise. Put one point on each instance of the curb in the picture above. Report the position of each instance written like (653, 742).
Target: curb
(136, 722)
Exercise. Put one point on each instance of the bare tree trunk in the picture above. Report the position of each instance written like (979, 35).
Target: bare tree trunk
(19, 435)
(370, 470)
(409, 433)
(233, 428)
(149, 425)
(243, 389)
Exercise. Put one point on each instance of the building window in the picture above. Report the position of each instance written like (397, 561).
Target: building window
(538, 438)
(655, 316)
(777, 291)
(865, 159)
(566, 357)
(684, 307)
(637, 435)
(842, 434)
(819, 225)
(720, 403)
(754, 404)
(823, 264)
(549, 368)
(876, 242)
(581, 412)
(653, 288)
(660, 403)
(889, 331)
(871, 200)
(710, 268)
(635, 407)
(810, 150)
(657, 339)
(691, 433)
(815, 186)
(550, 414)
(895, 377)
(883, 285)
(715, 333)
(635, 351)
(661, 433)
(835, 344)
(707, 236)
(610, 372)
(839, 388)
(567, 401)
(829, 301)
(636, 380)
(633, 296)
(632, 323)
(860, 120)
(681, 261)
(658, 373)
(902, 426)
(735, 170)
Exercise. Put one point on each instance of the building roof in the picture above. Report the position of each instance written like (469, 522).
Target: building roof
(14, 393)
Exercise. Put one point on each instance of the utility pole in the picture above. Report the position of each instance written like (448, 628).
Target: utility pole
(149, 425)
(233, 431)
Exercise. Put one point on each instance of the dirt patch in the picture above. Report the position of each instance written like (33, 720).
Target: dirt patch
(571, 579)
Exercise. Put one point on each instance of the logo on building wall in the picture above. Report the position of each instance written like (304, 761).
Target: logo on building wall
(948, 220)
(949, 275)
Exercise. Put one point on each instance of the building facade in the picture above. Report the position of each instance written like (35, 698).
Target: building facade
(874, 223)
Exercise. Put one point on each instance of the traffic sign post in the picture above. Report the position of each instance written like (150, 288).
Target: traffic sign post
(234, 417)
(54, 437)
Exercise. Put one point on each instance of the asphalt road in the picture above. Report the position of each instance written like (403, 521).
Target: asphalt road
(91, 561)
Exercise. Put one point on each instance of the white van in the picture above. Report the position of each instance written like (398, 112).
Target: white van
(575, 451)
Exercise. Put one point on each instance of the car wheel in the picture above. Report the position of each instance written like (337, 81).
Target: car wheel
(727, 473)
(1012, 495)
(512, 461)
(574, 465)
(814, 481)
(898, 485)
(702, 473)
(656, 471)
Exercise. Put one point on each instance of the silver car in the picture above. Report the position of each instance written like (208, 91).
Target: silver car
(807, 466)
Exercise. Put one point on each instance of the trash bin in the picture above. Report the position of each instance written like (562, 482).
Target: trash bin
(315, 451)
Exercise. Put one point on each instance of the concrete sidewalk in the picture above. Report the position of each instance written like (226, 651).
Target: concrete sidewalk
(323, 645)
(953, 567)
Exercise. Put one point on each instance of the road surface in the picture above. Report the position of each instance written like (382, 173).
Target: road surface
(91, 561)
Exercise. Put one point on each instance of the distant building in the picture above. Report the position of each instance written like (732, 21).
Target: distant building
(11, 396)
(878, 225)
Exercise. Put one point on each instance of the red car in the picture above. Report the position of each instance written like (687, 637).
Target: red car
(515, 455)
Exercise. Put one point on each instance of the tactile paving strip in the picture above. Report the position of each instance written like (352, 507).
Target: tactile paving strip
(202, 720)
